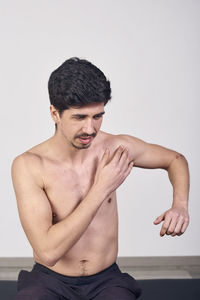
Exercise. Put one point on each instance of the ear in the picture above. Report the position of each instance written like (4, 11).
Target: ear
(54, 114)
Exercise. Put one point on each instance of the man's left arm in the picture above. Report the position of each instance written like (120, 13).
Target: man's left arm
(152, 156)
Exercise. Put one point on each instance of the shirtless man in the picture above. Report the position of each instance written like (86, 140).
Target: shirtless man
(66, 193)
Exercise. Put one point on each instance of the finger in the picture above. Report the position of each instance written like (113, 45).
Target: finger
(124, 160)
(118, 154)
(165, 225)
(159, 219)
(127, 172)
(125, 156)
(105, 157)
(172, 225)
(177, 230)
(130, 166)
(184, 227)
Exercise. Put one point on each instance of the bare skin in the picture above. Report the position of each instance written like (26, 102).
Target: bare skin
(66, 192)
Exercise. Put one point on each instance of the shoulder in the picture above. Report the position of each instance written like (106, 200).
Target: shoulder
(27, 165)
(108, 140)
(126, 140)
(31, 158)
(26, 159)
(129, 139)
(135, 145)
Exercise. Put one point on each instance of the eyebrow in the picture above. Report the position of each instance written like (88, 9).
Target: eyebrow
(82, 115)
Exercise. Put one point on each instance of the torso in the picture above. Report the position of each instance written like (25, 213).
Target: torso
(65, 188)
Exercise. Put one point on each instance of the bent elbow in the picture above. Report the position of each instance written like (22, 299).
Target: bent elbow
(177, 156)
(48, 260)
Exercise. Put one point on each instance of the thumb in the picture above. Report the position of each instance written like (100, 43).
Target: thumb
(159, 219)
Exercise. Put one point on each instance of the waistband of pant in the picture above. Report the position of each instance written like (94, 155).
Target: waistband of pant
(41, 268)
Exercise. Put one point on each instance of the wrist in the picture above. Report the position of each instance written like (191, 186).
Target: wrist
(99, 192)
(180, 202)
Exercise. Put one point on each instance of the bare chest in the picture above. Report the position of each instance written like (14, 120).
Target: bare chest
(67, 187)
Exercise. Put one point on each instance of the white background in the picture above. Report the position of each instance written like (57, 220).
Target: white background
(149, 50)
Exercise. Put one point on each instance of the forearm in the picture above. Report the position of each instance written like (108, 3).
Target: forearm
(62, 236)
(178, 173)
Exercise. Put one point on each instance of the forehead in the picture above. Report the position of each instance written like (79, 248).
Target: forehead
(90, 109)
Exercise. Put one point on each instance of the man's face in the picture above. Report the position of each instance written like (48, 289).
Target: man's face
(79, 126)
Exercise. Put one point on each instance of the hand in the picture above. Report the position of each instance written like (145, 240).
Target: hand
(176, 221)
(111, 173)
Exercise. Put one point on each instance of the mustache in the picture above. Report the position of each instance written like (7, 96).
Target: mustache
(87, 135)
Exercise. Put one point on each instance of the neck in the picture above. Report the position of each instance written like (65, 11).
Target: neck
(63, 149)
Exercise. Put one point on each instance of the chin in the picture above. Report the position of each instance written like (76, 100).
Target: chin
(81, 147)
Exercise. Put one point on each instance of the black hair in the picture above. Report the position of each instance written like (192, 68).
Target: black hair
(77, 82)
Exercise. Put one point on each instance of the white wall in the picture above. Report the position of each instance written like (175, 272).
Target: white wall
(150, 52)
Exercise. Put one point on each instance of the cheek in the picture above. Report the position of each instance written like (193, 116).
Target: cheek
(69, 130)
(99, 123)
(69, 126)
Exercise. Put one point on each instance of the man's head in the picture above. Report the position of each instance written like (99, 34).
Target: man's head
(78, 87)
(77, 83)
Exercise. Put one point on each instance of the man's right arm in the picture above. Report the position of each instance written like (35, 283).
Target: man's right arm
(50, 242)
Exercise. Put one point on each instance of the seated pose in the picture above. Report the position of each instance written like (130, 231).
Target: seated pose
(66, 193)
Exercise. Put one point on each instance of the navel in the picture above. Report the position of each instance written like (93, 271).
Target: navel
(83, 261)
(54, 218)
(83, 266)
(109, 200)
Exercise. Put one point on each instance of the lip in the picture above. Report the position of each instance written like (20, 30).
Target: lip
(85, 141)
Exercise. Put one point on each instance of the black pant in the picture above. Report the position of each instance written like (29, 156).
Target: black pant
(41, 283)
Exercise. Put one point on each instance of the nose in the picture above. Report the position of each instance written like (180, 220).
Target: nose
(88, 127)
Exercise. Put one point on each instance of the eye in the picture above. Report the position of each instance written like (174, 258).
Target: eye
(80, 117)
(97, 117)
